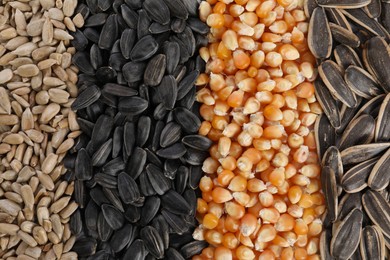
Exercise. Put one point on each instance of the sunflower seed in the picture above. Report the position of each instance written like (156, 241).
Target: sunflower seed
(361, 82)
(113, 216)
(378, 179)
(372, 244)
(87, 97)
(382, 122)
(344, 36)
(359, 131)
(123, 237)
(157, 179)
(136, 251)
(376, 208)
(175, 222)
(132, 105)
(193, 248)
(145, 48)
(174, 151)
(153, 241)
(170, 134)
(175, 203)
(328, 103)
(319, 34)
(331, 75)
(324, 132)
(346, 239)
(360, 153)
(355, 179)
(328, 179)
(155, 70)
(128, 189)
(104, 230)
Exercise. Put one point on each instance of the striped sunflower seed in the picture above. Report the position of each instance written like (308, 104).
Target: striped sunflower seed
(372, 243)
(319, 34)
(377, 209)
(378, 178)
(347, 236)
(331, 75)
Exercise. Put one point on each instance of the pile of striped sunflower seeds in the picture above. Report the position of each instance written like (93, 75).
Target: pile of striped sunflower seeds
(350, 40)
(100, 156)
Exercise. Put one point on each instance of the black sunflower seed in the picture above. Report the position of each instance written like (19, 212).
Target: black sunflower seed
(167, 91)
(83, 169)
(149, 209)
(157, 179)
(122, 237)
(193, 248)
(136, 251)
(109, 33)
(133, 71)
(104, 230)
(127, 42)
(189, 122)
(157, 10)
(128, 188)
(90, 95)
(155, 70)
(153, 241)
(175, 203)
(144, 49)
(113, 216)
(132, 105)
(136, 163)
(130, 16)
(174, 151)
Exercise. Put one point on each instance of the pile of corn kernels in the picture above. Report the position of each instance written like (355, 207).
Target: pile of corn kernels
(261, 195)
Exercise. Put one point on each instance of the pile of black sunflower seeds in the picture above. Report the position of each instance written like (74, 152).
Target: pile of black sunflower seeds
(138, 162)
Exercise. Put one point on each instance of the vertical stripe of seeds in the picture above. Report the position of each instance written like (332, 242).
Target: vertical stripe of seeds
(37, 128)
(138, 161)
(261, 194)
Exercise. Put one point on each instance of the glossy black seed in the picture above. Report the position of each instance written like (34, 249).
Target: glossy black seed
(143, 24)
(143, 130)
(193, 248)
(153, 241)
(132, 105)
(127, 41)
(81, 60)
(157, 10)
(113, 196)
(177, 8)
(80, 42)
(178, 25)
(175, 203)
(176, 222)
(170, 134)
(157, 179)
(104, 229)
(189, 122)
(157, 28)
(76, 223)
(132, 214)
(122, 237)
(198, 142)
(187, 84)
(155, 70)
(128, 188)
(149, 209)
(109, 33)
(136, 163)
(172, 52)
(113, 216)
(85, 246)
(96, 20)
(133, 71)
(174, 151)
(144, 49)
(136, 251)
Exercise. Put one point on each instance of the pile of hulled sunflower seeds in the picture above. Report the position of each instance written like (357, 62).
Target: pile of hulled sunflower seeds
(179, 129)
(37, 128)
